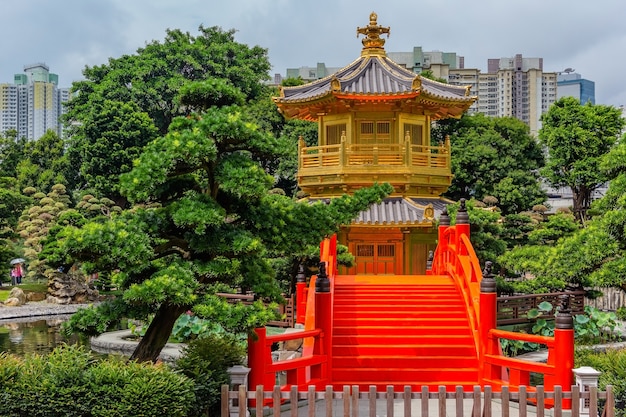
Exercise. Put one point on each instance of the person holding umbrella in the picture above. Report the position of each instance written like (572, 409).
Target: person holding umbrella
(17, 272)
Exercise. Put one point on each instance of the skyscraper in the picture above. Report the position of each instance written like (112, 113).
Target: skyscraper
(33, 104)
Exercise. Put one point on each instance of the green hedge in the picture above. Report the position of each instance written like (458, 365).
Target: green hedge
(206, 361)
(70, 382)
(612, 365)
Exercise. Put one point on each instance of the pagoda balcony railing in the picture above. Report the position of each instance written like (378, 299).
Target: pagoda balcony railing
(357, 157)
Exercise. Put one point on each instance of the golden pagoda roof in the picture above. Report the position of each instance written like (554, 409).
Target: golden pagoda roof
(374, 77)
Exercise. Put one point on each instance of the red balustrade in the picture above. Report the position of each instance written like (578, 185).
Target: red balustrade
(454, 257)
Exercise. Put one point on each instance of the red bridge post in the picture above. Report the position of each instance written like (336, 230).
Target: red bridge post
(488, 321)
(564, 348)
(259, 356)
(301, 295)
(323, 321)
(462, 226)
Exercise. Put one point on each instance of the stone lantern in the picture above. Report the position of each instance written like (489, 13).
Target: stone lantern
(586, 377)
(238, 376)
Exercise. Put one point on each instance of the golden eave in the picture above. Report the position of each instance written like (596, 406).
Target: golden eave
(413, 102)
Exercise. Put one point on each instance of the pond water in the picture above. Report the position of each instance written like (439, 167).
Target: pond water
(34, 335)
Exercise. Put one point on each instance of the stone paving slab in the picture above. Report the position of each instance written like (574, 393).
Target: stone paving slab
(37, 309)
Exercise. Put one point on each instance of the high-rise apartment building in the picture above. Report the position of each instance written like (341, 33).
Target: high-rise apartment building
(33, 104)
(571, 84)
(516, 87)
(436, 61)
(311, 73)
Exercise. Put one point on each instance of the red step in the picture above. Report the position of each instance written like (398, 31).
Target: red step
(401, 330)
(382, 329)
(416, 362)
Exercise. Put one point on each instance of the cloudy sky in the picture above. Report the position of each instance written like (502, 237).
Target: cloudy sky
(67, 35)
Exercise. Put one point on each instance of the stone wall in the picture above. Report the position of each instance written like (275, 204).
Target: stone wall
(69, 289)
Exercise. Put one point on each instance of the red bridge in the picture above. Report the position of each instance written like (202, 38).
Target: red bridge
(433, 330)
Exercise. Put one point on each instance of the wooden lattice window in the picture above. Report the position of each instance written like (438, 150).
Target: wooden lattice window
(388, 250)
(365, 250)
(375, 132)
(367, 132)
(383, 132)
(334, 132)
(415, 133)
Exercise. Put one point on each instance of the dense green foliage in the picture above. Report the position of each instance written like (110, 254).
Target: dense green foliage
(109, 137)
(70, 382)
(531, 256)
(612, 365)
(204, 216)
(206, 361)
(11, 204)
(11, 152)
(153, 77)
(126, 103)
(493, 156)
(590, 256)
(43, 164)
(577, 136)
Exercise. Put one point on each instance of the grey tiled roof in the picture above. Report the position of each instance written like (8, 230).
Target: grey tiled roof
(392, 211)
(437, 203)
(373, 75)
(396, 211)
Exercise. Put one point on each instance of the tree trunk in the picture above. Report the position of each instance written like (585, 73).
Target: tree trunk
(158, 333)
(581, 200)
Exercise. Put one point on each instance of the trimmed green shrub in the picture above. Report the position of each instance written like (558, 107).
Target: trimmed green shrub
(612, 364)
(70, 382)
(206, 361)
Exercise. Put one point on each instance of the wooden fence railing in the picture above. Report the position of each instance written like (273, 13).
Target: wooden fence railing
(513, 309)
(353, 403)
(285, 311)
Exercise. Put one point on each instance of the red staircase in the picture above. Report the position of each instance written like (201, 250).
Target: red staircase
(401, 330)
(423, 330)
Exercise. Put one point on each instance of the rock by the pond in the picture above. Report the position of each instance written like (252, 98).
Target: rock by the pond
(70, 289)
(35, 296)
(16, 298)
(12, 302)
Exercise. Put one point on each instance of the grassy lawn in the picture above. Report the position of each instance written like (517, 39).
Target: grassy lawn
(6, 289)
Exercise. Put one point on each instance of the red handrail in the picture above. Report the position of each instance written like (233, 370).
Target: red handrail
(312, 367)
(556, 371)
(456, 257)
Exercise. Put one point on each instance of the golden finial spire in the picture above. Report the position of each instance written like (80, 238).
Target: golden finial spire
(372, 42)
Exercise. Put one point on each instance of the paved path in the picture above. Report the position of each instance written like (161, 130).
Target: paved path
(121, 342)
(37, 309)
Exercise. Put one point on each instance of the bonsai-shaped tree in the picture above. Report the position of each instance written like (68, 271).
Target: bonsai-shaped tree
(203, 220)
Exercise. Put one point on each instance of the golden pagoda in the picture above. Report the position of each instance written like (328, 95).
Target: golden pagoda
(374, 121)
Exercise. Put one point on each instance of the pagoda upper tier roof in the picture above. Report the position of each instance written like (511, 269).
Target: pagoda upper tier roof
(374, 82)
(374, 78)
